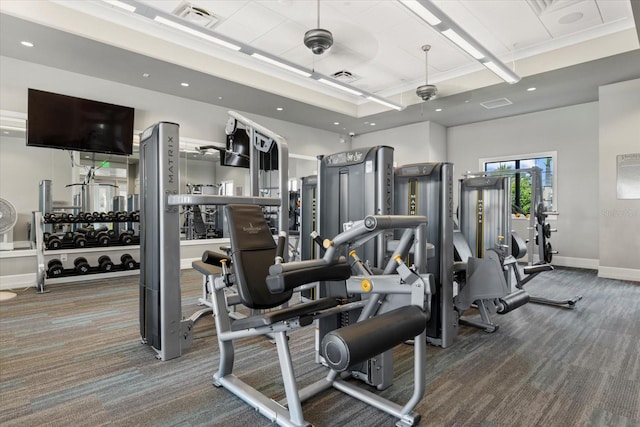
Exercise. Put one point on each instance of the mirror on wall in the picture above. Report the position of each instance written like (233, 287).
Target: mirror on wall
(116, 180)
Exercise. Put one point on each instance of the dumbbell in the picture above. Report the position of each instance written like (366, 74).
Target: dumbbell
(105, 263)
(68, 235)
(47, 217)
(134, 216)
(111, 233)
(79, 241)
(88, 217)
(103, 238)
(54, 268)
(53, 242)
(126, 238)
(122, 216)
(128, 262)
(81, 265)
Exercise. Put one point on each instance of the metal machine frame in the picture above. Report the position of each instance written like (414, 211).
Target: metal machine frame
(161, 323)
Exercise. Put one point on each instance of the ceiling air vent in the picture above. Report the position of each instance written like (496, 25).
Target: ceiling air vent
(345, 76)
(546, 6)
(496, 103)
(196, 15)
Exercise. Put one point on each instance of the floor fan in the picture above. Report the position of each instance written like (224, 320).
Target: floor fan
(8, 220)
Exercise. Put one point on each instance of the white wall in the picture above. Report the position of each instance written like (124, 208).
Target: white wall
(619, 220)
(21, 170)
(23, 167)
(573, 133)
(415, 143)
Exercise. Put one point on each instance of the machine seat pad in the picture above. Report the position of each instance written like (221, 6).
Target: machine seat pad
(288, 280)
(215, 258)
(532, 269)
(206, 269)
(307, 310)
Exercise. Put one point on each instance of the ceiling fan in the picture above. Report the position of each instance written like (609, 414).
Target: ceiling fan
(318, 39)
(426, 91)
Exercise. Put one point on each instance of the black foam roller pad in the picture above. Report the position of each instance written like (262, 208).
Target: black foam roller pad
(353, 344)
(215, 258)
(513, 301)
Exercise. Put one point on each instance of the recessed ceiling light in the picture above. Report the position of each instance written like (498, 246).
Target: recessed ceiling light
(219, 97)
(26, 43)
(372, 124)
(531, 89)
(6, 132)
(438, 109)
(184, 84)
(279, 108)
(145, 75)
(336, 123)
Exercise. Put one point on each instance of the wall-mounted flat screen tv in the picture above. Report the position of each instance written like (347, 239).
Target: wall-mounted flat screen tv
(237, 153)
(70, 123)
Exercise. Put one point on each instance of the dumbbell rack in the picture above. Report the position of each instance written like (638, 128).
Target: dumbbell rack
(87, 236)
(81, 267)
(92, 253)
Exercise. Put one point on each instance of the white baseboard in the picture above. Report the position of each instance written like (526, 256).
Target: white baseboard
(18, 281)
(619, 273)
(564, 261)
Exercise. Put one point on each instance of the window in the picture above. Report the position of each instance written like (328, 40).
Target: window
(521, 182)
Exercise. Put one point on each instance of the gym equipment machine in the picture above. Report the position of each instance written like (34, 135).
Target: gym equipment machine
(483, 247)
(400, 316)
(539, 235)
(161, 323)
(308, 216)
(427, 189)
(351, 185)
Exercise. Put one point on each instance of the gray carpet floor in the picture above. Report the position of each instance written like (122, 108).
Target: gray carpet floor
(72, 357)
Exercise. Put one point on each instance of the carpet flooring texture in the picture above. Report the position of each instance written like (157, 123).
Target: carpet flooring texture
(73, 357)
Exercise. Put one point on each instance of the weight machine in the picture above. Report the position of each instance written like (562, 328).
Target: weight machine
(161, 323)
(264, 282)
(427, 189)
(539, 230)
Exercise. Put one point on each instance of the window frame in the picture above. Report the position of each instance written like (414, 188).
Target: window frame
(527, 156)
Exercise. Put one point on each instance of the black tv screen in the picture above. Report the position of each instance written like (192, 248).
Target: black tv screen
(70, 123)
(237, 153)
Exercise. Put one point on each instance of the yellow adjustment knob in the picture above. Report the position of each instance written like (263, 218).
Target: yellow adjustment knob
(365, 285)
(397, 259)
(352, 253)
(500, 239)
(327, 243)
(223, 261)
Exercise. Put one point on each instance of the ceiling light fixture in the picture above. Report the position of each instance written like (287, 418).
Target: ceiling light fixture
(279, 63)
(279, 108)
(531, 89)
(385, 103)
(432, 15)
(184, 84)
(26, 43)
(196, 33)
(121, 5)
(341, 87)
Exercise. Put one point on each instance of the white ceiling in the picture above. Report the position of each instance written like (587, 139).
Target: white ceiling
(554, 43)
